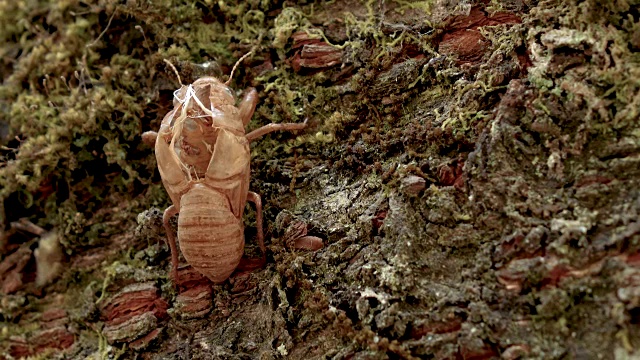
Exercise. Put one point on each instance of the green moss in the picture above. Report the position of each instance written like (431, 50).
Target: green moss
(425, 6)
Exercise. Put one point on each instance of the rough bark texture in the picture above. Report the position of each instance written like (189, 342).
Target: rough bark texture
(472, 166)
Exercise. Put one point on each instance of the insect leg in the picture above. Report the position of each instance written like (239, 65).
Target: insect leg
(168, 214)
(149, 138)
(248, 106)
(275, 127)
(255, 198)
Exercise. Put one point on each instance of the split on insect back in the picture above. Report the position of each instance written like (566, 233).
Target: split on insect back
(203, 158)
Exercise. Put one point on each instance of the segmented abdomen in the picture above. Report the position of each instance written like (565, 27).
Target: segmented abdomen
(211, 238)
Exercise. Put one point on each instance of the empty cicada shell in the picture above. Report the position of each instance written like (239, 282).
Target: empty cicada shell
(203, 158)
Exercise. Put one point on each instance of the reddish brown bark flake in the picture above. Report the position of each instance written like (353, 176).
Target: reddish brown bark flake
(195, 302)
(189, 278)
(143, 342)
(470, 352)
(132, 301)
(133, 313)
(11, 270)
(53, 318)
(452, 175)
(463, 38)
(313, 53)
(57, 338)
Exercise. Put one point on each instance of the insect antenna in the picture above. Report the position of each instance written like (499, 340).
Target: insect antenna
(174, 70)
(236, 65)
